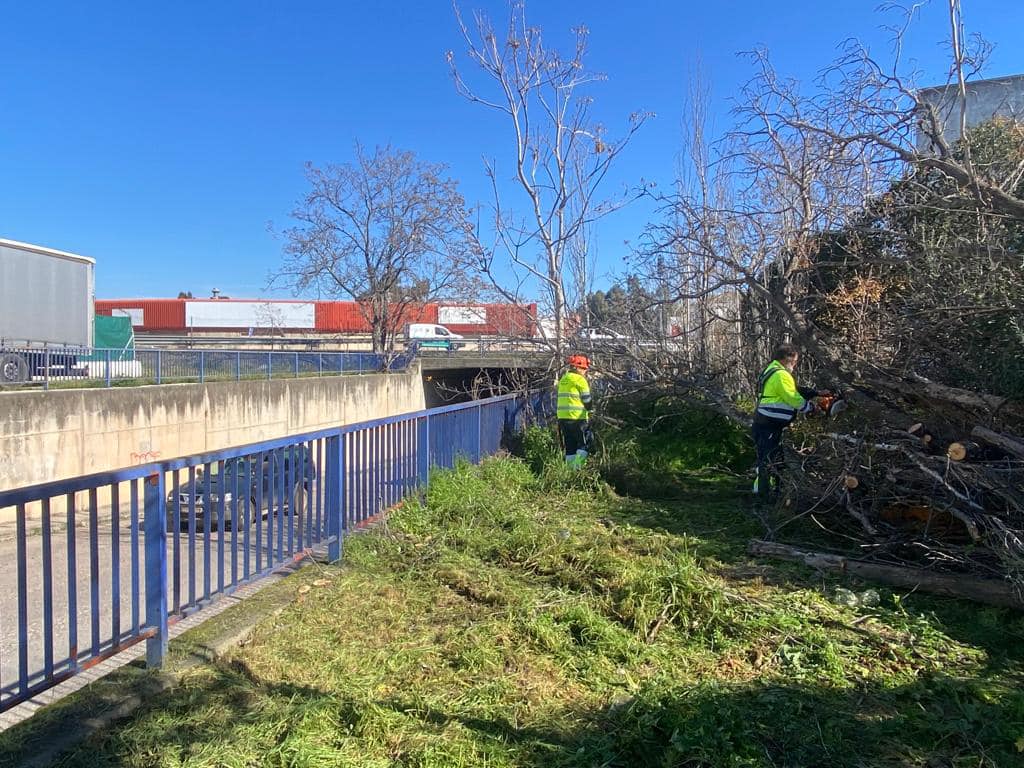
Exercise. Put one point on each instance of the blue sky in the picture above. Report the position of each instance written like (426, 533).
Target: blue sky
(161, 139)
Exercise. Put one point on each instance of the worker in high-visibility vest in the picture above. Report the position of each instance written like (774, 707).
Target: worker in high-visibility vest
(779, 402)
(574, 403)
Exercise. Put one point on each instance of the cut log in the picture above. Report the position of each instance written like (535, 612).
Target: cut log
(1009, 444)
(961, 451)
(953, 585)
(921, 432)
(851, 482)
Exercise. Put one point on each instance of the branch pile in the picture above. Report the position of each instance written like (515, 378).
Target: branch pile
(919, 473)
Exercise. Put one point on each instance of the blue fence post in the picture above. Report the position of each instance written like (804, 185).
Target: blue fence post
(202, 366)
(479, 433)
(107, 358)
(238, 366)
(46, 369)
(159, 365)
(321, 357)
(296, 365)
(336, 494)
(270, 365)
(155, 538)
(423, 449)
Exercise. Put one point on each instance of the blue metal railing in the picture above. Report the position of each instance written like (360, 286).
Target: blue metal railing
(105, 367)
(113, 558)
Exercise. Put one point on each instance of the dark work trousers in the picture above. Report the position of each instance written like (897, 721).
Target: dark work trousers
(573, 435)
(768, 442)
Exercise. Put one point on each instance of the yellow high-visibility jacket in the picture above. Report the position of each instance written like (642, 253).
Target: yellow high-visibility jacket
(573, 397)
(780, 398)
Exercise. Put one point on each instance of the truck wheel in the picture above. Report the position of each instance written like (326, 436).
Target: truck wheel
(13, 369)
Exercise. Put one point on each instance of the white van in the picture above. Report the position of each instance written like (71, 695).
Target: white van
(432, 336)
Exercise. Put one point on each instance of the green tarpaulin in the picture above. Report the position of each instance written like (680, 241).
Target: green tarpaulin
(113, 333)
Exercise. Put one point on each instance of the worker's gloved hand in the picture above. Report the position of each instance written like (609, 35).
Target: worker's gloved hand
(588, 438)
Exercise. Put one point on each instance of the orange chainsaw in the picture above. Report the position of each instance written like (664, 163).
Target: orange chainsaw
(831, 404)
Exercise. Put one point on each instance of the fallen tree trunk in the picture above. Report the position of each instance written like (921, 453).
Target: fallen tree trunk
(952, 585)
(962, 397)
(1008, 444)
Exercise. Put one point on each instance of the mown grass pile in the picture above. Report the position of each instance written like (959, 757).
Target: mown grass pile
(523, 615)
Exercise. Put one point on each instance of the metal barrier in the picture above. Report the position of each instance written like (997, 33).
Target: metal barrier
(105, 367)
(113, 558)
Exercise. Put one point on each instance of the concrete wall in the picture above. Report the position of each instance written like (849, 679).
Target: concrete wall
(65, 433)
(995, 97)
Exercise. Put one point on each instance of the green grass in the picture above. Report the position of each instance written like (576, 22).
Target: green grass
(523, 615)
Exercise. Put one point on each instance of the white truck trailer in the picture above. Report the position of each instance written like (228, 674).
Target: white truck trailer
(46, 310)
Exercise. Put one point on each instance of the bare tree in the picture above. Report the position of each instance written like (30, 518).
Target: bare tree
(804, 190)
(387, 230)
(561, 157)
(851, 219)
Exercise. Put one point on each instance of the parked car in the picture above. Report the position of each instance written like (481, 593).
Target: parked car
(600, 339)
(262, 490)
(432, 336)
(600, 334)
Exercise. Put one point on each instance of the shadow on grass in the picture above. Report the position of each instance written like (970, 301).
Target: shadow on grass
(706, 506)
(719, 519)
(228, 716)
(937, 721)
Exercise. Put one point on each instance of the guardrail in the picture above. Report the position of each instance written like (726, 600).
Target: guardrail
(335, 343)
(107, 367)
(105, 561)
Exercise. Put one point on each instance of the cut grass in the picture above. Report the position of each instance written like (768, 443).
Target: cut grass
(514, 618)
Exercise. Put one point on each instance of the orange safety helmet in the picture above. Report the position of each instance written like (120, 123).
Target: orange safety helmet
(579, 361)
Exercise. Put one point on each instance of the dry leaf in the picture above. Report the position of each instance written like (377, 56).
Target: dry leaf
(321, 582)
(304, 589)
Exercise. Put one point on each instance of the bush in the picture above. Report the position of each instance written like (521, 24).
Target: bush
(541, 448)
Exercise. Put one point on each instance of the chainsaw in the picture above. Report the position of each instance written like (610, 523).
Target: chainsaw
(831, 405)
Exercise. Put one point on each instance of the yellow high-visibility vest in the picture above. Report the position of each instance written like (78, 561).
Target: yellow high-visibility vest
(573, 397)
(780, 399)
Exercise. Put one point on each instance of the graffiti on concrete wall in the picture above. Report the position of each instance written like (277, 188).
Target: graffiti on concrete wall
(144, 455)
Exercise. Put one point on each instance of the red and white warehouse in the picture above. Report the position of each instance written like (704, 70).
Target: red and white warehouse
(310, 317)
